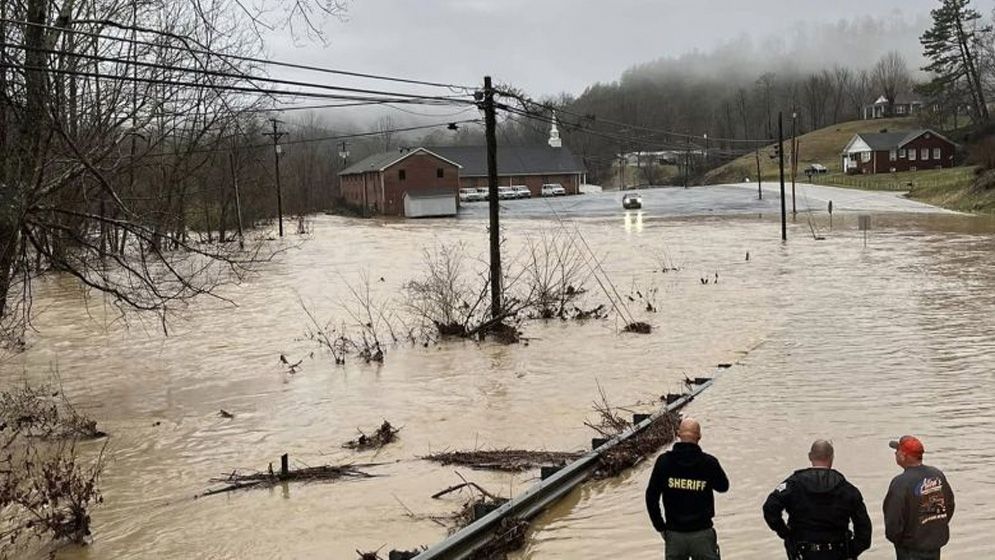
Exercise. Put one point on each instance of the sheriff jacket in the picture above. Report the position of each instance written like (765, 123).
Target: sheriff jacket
(685, 478)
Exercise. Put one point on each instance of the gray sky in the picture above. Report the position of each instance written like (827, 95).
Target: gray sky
(549, 46)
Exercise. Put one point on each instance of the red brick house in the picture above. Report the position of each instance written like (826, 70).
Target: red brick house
(908, 150)
(380, 183)
(532, 166)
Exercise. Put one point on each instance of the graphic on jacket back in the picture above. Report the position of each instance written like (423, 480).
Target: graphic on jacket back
(932, 504)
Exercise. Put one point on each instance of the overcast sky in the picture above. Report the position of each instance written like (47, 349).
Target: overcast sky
(551, 46)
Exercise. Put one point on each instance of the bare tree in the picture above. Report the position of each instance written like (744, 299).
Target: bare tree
(113, 129)
(891, 76)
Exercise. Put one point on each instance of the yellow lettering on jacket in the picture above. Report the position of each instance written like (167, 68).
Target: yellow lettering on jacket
(686, 484)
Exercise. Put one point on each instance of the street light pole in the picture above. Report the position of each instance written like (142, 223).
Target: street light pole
(794, 161)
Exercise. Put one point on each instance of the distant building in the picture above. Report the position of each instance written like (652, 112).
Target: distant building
(531, 166)
(908, 150)
(905, 105)
(407, 182)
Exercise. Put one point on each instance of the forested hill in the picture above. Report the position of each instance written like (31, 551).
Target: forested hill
(825, 74)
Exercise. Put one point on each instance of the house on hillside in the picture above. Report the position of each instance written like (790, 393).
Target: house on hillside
(905, 105)
(907, 150)
(407, 182)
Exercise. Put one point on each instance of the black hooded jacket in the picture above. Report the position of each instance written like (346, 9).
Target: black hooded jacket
(821, 504)
(686, 477)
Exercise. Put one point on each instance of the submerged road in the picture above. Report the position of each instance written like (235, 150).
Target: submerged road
(732, 199)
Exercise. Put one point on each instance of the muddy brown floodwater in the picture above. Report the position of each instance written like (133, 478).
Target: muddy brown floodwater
(829, 339)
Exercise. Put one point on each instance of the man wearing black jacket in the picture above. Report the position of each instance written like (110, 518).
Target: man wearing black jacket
(686, 477)
(821, 505)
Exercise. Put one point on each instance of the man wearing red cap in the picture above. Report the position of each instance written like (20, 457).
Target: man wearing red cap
(919, 505)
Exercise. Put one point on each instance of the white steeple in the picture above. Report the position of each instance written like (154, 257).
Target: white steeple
(554, 135)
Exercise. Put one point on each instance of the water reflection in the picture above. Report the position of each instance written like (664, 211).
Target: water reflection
(633, 221)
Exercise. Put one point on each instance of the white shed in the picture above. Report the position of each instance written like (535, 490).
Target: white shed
(430, 203)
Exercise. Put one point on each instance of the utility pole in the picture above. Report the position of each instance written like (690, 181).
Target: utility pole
(794, 161)
(760, 181)
(238, 200)
(490, 125)
(780, 157)
(277, 134)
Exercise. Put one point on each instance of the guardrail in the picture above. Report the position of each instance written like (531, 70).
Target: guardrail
(533, 501)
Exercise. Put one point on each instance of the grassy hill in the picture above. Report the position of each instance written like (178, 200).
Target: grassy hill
(819, 146)
(959, 188)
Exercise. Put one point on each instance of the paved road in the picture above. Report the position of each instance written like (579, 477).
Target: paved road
(711, 200)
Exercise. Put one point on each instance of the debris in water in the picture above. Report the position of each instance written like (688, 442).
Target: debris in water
(632, 451)
(385, 434)
(508, 460)
(638, 327)
(268, 478)
(225, 414)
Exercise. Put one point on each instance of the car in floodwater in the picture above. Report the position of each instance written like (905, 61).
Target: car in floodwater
(553, 189)
(521, 191)
(632, 201)
(471, 195)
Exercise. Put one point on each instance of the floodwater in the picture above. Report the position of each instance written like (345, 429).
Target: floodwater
(829, 339)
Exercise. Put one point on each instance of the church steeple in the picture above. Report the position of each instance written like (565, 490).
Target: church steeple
(554, 135)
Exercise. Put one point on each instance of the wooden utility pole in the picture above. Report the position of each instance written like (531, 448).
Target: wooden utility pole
(238, 200)
(760, 189)
(277, 134)
(490, 124)
(794, 161)
(780, 157)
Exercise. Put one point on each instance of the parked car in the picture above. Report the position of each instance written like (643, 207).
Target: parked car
(553, 189)
(521, 191)
(470, 195)
(505, 193)
(632, 201)
(484, 193)
(816, 169)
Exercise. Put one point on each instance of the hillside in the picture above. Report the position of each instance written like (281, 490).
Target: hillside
(819, 146)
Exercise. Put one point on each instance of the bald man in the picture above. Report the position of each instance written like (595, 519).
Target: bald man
(821, 505)
(685, 478)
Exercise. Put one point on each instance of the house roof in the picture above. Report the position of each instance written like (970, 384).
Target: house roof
(900, 99)
(513, 160)
(383, 160)
(880, 141)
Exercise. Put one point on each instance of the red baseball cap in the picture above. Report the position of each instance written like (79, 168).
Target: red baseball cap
(910, 445)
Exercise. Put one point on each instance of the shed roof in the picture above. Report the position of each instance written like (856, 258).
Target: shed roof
(434, 192)
(513, 160)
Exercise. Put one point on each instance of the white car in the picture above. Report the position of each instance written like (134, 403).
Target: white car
(521, 191)
(506, 193)
(470, 195)
(553, 189)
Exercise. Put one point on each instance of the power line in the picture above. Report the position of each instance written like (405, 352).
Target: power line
(203, 51)
(320, 139)
(528, 101)
(220, 74)
(226, 87)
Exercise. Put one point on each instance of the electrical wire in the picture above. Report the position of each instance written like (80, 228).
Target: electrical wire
(205, 52)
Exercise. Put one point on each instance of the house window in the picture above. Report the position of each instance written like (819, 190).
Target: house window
(936, 154)
(440, 173)
(401, 175)
(893, 155)
(925, 154)
(865, 157)
(901, 154)
(900, 109)
(912, 154)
